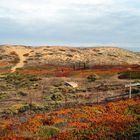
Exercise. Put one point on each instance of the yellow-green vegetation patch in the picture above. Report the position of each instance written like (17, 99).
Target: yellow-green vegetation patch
(14, 109)
(3, 95)
(48, 131)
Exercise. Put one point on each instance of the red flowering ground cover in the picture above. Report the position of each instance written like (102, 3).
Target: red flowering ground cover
(64, 71)
(111, 121)
(70, 72)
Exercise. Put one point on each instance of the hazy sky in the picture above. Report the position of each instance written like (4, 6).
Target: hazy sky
(71, 22)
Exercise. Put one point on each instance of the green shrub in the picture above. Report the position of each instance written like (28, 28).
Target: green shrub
(15, 109)
(133, 110)
(91, 78)
(48, 131)
(3, 95)
(37, 108)
(131, 133)
(57, 97)
(128, 75)
(22, 93)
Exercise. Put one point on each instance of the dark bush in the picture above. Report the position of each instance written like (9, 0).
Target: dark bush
(130, 75)
(22, 93)
(91, 78)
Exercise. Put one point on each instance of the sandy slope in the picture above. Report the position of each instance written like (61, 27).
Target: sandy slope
(20, 51)
(58, 55)
(22, 58)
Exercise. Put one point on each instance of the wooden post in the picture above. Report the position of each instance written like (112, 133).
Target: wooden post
(130, 88)
(79, 65)
(74, 67)
(130, 91)
(84, 65)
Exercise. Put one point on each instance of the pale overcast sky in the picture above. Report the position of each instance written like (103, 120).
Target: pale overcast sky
(71, 23)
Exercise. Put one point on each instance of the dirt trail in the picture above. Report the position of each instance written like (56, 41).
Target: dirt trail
(20, 52)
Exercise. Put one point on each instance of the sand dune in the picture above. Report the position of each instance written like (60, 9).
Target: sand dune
(59, 55)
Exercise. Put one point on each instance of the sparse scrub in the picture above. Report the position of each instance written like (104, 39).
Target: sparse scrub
(21, 80)
(3, 95)
(15, 109)
(15, 60)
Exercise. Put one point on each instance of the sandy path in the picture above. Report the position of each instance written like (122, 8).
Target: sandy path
(20, 52)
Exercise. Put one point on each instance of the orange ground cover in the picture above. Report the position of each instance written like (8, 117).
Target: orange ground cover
(90, 122)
